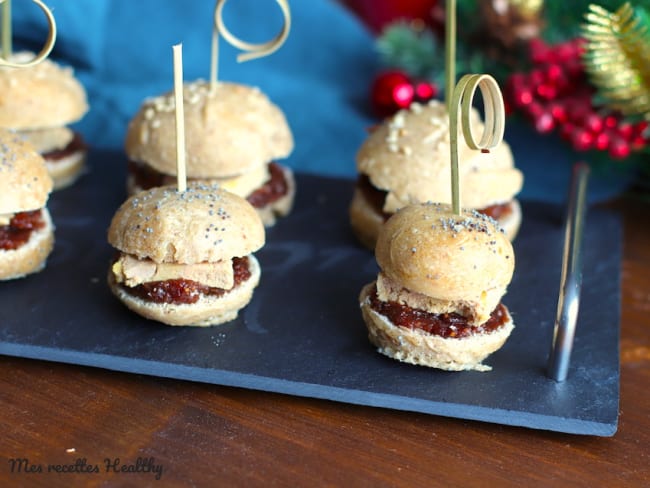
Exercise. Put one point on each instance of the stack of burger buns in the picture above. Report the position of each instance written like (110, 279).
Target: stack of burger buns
(38, 103)
(407, 160)
(437, 298)
(185, 257)
(26, 230)
(234, 134)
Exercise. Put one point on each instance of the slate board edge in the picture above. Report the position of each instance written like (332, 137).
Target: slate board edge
(276, 385)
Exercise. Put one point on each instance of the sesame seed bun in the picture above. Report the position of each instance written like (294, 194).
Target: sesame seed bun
(208, 310)
(228, 131)
(24, 181)
(419, 347)
(41, 96)
(409, 157)
(202, 224)
(429, 250)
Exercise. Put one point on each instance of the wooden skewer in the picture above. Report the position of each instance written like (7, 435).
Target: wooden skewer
(181, 178)
(251, 51)
(6, 36)
(461, 102)
(450, 51)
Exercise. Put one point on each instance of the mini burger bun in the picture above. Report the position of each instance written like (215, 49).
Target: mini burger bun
(31, 256)
(24, 181)
(202, 224)
(229, 131)
(67, 170)
(208, 310)
(283, 205)
(430, 250)
(416, 346)
(41, 96)
(408, 156)
(365, 220)
(510, 223)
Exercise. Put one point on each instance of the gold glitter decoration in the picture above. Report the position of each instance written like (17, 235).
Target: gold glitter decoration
(616, 58)
(528, 8)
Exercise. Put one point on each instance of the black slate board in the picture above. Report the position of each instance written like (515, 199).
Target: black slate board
(303, 335)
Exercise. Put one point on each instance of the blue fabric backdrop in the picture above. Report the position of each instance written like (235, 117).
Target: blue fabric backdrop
(121, 51)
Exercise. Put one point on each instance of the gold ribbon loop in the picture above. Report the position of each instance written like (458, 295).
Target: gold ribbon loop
(252, 51)
(461, 102)
(49, 44)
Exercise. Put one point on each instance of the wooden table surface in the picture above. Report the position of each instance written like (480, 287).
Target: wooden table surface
(73, 418)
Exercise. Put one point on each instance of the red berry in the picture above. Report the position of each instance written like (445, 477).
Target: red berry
(539, 51)
(425, 91)
(611, 121)
(554, 72)
(558, 111)
(546, 91)
(625, 129)
(582, 139)
(602, 141)
(594, 123)
(545, 123)
(619, 148)
(522, 96)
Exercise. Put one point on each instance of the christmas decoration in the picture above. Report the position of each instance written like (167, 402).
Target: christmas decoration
(617, 58)
(394, 90)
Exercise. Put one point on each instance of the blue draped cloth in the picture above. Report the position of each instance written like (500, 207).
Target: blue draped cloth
(121, 52)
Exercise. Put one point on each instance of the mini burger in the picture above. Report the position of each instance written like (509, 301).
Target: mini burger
(437, 299)
(26, 230)
(38, 103)
(407, 160)
(234, 134)
(185, 257)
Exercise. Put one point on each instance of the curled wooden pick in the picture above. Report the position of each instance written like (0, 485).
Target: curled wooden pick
(49, 44)
(252, 51)
(461, 102)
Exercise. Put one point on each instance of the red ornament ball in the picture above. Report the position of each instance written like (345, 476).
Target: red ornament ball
(391, 91)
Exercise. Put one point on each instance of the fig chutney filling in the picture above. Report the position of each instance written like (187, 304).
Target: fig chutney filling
(446, 325)
(272, 190)
(181, 291)
(376, 198)
(20, 229)
(76, 144)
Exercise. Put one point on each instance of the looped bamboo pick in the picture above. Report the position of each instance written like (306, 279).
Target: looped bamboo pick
(6, 36)
(252, 51)
(461, 103)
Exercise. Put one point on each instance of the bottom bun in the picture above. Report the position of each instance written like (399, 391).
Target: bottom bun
(208, 310)
(366, 221)
(66, 171)
(282, 206)
(31, 256)
(422, 348)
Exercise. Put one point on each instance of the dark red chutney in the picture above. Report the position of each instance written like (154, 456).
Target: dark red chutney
(76, 144)
(20, 229)
(275, 188)
(446, 325)
(187, 291)
(377, 197)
